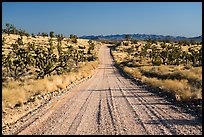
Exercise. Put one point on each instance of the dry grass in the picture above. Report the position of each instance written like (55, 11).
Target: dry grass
(133, 72)
(182, 88)
(11, 97)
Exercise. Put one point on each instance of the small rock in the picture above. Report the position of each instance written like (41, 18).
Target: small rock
(39, 97)
(124, 129)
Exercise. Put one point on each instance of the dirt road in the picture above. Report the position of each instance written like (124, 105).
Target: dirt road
(109, 103)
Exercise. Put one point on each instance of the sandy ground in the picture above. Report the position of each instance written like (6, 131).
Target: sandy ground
(109, 103)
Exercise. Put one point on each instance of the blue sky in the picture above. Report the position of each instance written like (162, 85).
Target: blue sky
(104, 18)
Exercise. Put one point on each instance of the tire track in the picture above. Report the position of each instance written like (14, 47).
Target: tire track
(119, 114)
(134, 113)
(117, 122)
(98, 116)
(118, 119)
(73, 127)
(107, 124)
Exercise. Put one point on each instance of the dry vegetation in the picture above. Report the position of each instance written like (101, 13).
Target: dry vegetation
(22, 95)
(182, 77)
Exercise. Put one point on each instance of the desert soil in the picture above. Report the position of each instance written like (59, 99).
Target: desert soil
(109, 103)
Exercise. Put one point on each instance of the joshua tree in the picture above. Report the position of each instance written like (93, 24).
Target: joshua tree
(91, 46)
(73, 38)
(7, 28)
(52, 34)
(44, 34)
(33, 35)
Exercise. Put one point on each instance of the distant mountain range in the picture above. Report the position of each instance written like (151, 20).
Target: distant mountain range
(142, 37)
